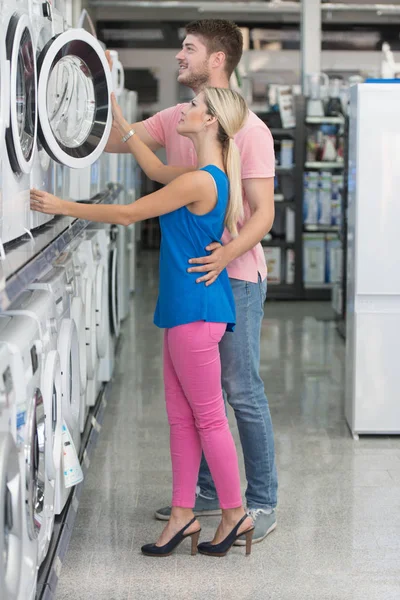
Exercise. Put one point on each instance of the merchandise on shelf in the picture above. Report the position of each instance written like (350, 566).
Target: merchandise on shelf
(325, 198)
(290, 225)
(290, 258)
(337, 191)
(310, 198)
(286, 155)
(313, 258)
(333, 262)
(322, 198)
(273, 258)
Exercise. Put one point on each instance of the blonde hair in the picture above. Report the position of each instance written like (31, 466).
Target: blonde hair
(230, 110)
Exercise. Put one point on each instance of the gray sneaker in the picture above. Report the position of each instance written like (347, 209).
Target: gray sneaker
(204, 507)
(264, 524)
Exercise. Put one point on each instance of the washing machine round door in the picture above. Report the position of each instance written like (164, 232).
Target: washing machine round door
(78, 315)
(21, 133)
(90, 319)
(52, 399)
(113, 293)
(34, 448)
(75, 84)
(10, 518)
(68, 349)
(101, 311)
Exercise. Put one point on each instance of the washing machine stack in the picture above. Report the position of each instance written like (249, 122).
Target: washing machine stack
(58, 338)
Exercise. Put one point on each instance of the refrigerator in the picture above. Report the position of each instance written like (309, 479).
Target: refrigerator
(372, 389)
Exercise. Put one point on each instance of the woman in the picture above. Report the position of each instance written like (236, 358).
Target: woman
(194, 207)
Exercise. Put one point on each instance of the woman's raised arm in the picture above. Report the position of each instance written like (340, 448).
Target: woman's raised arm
(148, 161)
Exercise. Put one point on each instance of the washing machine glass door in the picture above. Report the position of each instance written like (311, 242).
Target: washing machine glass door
(21, 134)
(101, 311)
(113, 293)
(74, 88)
(52, 399)
(78, 316)
(10, 518)
(68, 349)
(34, 447)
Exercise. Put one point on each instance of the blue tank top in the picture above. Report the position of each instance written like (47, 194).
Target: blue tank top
(185, 235)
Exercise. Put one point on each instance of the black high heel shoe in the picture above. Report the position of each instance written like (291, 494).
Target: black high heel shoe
(167, 549)
(223, 547)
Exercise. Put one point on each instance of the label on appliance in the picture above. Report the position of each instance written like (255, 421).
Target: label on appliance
(21, 420)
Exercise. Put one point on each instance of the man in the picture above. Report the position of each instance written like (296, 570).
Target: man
(210, 52)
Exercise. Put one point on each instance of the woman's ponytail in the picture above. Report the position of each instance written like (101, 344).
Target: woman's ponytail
(231, 111)
(234, 211)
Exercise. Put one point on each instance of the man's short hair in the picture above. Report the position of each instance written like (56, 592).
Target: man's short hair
(219, 35)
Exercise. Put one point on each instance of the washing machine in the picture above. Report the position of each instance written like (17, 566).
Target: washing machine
(20, 334)
(74, 82)
(42, 176)
(92, 252)
(60, 283)
(10, 485)
(4, 106)
(66, 261)
(107, 363)
(40, 306)
(22, 127)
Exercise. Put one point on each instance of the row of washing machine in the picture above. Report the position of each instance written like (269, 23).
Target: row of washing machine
(57, 347)
(55, 109)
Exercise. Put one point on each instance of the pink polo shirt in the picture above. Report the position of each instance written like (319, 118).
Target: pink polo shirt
(256, 148)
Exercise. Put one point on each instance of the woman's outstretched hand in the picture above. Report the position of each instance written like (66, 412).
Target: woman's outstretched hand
(46, 203)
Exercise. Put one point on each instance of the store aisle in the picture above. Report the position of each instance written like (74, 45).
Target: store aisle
(338, 534)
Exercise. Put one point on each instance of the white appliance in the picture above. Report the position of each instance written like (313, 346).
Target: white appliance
(106, 367)
(20, 335)
(40, 306)
(317, 86)
(75, 117)
(22, 128)
(10, 485)
(373, 279)
(60, 283)
(66, 261)
(85, 262)
(42, 174)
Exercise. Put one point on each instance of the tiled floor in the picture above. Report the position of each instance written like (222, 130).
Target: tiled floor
(338, 535)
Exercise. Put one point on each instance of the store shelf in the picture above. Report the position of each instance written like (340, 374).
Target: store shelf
(286, 203)
(279, 169)
(26, 259)
(277, 244)
(318, 286)
(318, 293)
(280, 131)
(325, 120)
(281, 291)
(324, 165)
(320, 229)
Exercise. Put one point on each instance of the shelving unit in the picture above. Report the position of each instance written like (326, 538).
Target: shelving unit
(299, 289)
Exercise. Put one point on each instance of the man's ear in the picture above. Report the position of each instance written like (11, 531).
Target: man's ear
(217, 60)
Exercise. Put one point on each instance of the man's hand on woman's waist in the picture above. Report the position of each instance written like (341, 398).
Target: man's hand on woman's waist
(212, 265)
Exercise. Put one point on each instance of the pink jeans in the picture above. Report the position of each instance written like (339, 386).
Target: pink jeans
(196, 413)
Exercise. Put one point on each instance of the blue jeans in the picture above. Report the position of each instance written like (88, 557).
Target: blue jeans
(244, 390)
